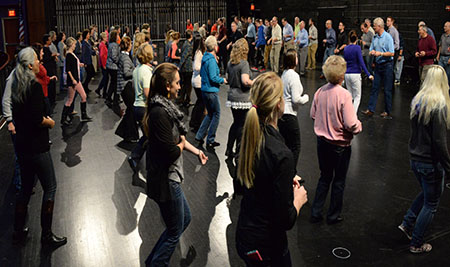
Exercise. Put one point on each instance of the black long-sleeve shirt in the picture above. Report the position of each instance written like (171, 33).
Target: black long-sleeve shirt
(32, 137)
(72, 66)
(267, 209)
(428, 143)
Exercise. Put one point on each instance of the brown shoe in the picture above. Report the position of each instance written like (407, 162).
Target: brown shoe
(367, 112)
(384, 114)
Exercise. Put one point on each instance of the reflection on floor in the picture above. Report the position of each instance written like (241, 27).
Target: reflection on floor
(110, 222)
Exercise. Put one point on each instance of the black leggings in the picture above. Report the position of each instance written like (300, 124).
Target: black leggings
(235, 132)
(90, 73)
(198, 112)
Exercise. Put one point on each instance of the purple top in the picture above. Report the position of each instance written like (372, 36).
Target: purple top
(355, 62)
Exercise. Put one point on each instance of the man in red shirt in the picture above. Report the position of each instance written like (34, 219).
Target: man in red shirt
(426, 51)
(189, 25)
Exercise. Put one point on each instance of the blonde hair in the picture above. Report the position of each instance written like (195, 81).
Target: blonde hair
(265, 95)
(145, 53)
(138, 40)
(69, 42)
(334, 69)
(103, 36)
(210, 43)
(433, 95)
(168, 37)
(239, 51)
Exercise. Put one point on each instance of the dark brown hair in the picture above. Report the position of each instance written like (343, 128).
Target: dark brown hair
(113, 36)
(290, 58)
(352, 36)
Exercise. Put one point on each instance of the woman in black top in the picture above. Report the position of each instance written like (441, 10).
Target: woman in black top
(74, 83)
(273, 195)
(166, 141)
(32, 147)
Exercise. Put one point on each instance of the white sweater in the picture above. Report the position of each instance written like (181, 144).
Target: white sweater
(196, 79)
(292, 91)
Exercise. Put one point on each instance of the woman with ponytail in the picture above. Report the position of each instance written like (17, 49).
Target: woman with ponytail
(273, 195)
(32, 147)
(166, 133)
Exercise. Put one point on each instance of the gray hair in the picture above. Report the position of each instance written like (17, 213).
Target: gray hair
(23, 75)
(379, 22)
(211, 43)
(424, 28)
(51, 33)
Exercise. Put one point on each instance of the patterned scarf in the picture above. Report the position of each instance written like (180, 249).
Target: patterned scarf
(174, 113)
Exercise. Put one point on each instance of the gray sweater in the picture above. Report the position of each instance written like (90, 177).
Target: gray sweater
(125, 72)
(113, 56)
(367, 38)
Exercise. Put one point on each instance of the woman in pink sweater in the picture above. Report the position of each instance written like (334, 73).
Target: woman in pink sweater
(335, 123)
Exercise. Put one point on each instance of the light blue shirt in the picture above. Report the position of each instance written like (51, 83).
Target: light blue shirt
(302, 38)
(251, 32)
(383, 43)
(287, 30)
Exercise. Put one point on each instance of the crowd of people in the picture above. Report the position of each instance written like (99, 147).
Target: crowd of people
(264, 137)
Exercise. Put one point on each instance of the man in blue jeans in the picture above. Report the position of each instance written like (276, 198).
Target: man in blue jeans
(211, 81)
(382, 48)
(329, 42)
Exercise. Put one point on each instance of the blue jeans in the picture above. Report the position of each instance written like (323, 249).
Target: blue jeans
(333, 165)
(443, 62)
(329, 51)
(398, 68)
(383, 72)
(421, 213)
(211, 121)
(177, 216)
(40, 165)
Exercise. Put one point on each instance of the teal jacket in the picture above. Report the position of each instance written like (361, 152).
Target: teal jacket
(210, 74)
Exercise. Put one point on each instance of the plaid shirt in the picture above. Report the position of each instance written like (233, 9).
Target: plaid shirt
(186, 57)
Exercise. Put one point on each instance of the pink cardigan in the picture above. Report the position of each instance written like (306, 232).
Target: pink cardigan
(334, 117)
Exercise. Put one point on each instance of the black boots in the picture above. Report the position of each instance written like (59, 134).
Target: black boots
(84, 116)
(65, 113)
(48, 238)
(20, 232)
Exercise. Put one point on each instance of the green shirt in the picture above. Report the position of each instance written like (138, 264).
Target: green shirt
(296, 30)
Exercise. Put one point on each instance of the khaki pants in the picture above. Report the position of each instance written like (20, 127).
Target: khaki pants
(267, 55)
(423, 72)
(312, 49)
(275, 57)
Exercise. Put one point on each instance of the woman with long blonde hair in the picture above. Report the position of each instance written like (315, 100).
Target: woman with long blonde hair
(238, 71)
(138, 40)
(273, 195)
(430, 160)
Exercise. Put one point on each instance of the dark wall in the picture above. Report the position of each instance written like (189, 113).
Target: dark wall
(406, 12)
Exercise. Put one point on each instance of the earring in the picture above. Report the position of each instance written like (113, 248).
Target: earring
(168, 95)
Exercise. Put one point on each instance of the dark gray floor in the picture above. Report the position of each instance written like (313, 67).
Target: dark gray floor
(109, 222)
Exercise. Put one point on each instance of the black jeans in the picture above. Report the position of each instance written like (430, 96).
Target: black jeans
(271, 260)
(186, 88)
(333, 164)
(52, 88)
(40, 165)
(138, 151)
(104, 82)
(290, 130)
(251, 51)
(198, 112)
(260, 56)
(112, 89)
(90, 73)
(235, 132)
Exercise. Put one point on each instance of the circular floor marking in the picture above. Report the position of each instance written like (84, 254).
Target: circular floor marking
(341, 253)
